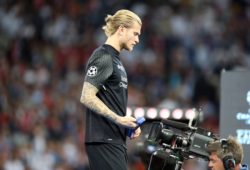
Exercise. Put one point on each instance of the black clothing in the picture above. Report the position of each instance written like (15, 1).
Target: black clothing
(105, 140)
(107, 156)
(106, 72)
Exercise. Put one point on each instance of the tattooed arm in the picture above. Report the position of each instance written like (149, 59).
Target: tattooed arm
(90, 100)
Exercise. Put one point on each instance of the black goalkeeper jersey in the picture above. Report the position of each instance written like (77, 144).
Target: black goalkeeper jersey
(105, 71)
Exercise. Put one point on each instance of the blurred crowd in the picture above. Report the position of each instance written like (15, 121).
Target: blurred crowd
(44, 45)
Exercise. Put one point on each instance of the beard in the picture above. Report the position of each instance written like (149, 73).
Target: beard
(126, 47)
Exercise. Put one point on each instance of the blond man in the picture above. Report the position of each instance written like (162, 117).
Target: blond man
(104, 93)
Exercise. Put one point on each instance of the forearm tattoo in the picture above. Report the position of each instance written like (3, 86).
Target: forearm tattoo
(90, 100)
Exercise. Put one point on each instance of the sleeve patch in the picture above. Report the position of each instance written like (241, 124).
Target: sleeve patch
(92, 71)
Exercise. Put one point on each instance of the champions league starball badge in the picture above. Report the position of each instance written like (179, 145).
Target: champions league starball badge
(92, 71)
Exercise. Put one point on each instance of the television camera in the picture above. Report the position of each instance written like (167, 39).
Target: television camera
(178, 141)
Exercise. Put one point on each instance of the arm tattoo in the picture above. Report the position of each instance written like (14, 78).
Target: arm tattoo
(90, 100)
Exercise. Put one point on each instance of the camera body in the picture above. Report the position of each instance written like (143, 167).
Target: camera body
(180, 138)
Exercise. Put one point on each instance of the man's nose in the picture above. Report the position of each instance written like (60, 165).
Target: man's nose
(137, 40)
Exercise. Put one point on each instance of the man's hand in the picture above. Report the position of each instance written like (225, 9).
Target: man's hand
(127, 121)
(136, 133)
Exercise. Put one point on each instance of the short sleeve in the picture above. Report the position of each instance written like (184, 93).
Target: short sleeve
(98, 69)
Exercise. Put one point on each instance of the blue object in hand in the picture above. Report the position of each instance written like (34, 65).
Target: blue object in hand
(139, 122)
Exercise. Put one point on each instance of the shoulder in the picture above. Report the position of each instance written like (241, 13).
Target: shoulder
(101, 56)
(101, 51)
(101, 60)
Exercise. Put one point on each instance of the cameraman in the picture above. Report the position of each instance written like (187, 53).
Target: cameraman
(226, 154)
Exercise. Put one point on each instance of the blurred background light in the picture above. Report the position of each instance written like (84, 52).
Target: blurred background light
(152, 113)
(190, 114)
(164, 113)
(129, 111)
(177, 113)
(139, 112)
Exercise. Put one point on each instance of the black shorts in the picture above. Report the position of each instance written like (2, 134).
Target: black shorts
(106, 156)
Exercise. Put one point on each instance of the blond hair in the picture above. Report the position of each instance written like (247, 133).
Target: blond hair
(122, 17)
(233, 146)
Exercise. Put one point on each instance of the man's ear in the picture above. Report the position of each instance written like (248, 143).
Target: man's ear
(120, 30)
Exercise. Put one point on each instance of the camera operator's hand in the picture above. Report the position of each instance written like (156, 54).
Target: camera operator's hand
(127, 121)
(136, 133)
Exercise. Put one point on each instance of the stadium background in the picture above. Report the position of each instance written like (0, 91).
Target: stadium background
(44, 45)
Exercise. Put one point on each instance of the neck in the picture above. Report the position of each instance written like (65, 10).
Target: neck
(237, 167)
(114, 42)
